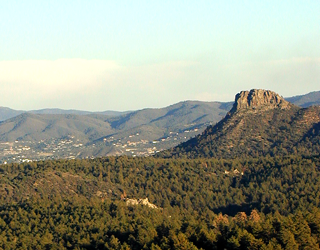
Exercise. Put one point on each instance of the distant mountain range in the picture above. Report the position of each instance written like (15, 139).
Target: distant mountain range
(312, 98)
(304, 101)
(260, 123)
(37, 125)
(143, 132)
(38, 133)
(7, 113)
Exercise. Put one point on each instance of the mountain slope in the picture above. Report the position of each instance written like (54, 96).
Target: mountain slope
(7, 113)
(75, 112)
(35, 136)
(33, 127)
(141, 132)
(307, 100)
(260, 123)
(180, 116)
(186, 113)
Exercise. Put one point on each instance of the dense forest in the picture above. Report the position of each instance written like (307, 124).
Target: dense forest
(252, 203)
(83, 224)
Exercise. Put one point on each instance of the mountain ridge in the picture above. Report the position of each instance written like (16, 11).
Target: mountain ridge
(269, 127)
(309, 99)
(136, 133)
(142, 132)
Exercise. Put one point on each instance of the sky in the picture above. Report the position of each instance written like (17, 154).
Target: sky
(127, 55)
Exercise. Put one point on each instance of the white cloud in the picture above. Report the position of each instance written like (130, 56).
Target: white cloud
(54, 76)
(102, 85)
(78, 83)
(209, 97)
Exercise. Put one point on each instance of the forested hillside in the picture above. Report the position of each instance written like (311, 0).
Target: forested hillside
(260, 123)
(82, 203)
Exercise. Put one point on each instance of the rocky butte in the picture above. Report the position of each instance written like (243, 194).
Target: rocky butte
(260, 123)
(258, 99)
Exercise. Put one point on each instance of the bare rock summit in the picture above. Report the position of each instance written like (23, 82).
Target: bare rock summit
(258, 99)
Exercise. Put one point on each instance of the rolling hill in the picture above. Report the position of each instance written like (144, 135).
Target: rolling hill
(39, 133)
(34, 127)
(260, 123)
(178, 117)
(141, 132)
(307, 100)
(7, 113)
(312, 98)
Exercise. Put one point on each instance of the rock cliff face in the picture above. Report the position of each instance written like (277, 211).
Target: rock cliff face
(258, 98)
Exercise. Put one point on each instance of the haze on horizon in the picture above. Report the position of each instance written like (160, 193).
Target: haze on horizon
(126, 55)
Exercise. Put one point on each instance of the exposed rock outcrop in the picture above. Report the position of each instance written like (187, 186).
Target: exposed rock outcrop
(260, 123)
(134, 202)
(258, 98)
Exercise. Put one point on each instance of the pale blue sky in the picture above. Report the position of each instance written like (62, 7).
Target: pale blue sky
(123, 55)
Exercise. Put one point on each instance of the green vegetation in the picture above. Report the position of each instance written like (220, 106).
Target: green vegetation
(203, 203)
(251, 133)
(249, 182)
(82, 224)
